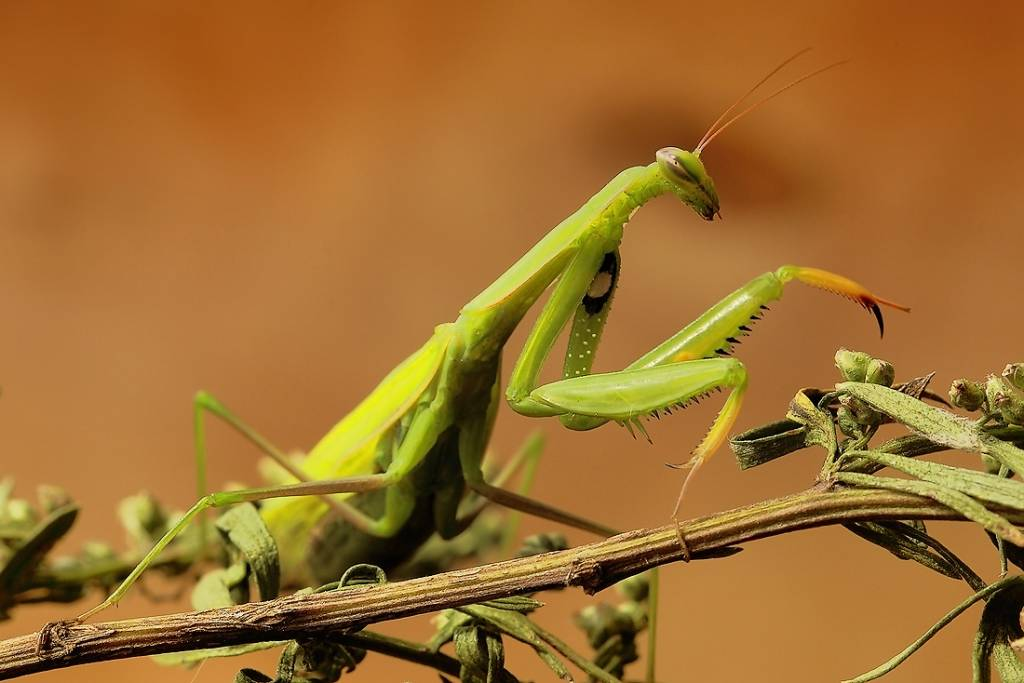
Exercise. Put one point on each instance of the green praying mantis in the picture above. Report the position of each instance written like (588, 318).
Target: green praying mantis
(397, 467)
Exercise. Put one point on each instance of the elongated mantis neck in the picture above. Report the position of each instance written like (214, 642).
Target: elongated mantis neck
(508, 298)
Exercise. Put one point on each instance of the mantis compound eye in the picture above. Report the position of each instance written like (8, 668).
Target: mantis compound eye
(672, 161)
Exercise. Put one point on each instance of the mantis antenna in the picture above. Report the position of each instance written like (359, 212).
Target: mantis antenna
(738, 102)
(709, 136)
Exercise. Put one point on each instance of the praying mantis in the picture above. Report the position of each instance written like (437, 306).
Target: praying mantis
(417, 442)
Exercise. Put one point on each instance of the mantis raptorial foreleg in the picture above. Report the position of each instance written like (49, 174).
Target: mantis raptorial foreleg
(669, 376)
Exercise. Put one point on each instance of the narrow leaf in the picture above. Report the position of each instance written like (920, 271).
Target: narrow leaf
(243, 527)
(190, 658)
(965, 505)
(766, 443)
(213, 589)
(887, 535)
(935, 424)
(1000, 623)
(22, 564)
(983, 594)
(821, 430)
(980, 485)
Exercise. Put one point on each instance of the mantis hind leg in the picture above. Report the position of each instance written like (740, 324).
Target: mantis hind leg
(205, 403)
(474, 434)
(223, 499)
(523, 462)
(399, 503)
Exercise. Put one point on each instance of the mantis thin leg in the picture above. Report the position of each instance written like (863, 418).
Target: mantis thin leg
(526, 459)
(399, 501)
(536, 508)
(206, 403)
(529, 455)
(225, 498)
(473, 440)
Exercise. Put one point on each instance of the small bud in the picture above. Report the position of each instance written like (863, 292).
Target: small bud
(20, 513)
(880, 372)
(600, 622)
(847, 423)
(94, 550)
(1003, 399)
(859, 411)
(991, 463)
(636, 613)
(995, 389)
(1011, 408)
(542, 543)
(480, 652)
(143, 519)
(853, 365)
(965, 394)
(1014, 374)
(635, 588)
(52, 497)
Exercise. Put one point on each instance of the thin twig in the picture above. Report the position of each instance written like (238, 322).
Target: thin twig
(591, 567)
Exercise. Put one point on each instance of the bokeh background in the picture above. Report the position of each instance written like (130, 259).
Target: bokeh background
(277, 201)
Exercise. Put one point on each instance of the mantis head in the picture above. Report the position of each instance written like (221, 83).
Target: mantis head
(684, 170)
(686, 176)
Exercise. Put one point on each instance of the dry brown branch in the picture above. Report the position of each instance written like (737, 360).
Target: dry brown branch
(591, 567)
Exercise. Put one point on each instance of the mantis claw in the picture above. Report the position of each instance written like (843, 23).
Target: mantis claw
(874, 308)
(683, 545)
(843, 286)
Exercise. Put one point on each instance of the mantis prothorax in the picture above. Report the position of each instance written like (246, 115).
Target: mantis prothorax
(418, 440)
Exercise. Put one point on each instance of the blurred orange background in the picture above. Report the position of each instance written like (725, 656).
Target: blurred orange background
(277, 201)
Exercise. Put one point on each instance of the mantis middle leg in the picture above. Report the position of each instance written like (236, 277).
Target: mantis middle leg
(423, 432)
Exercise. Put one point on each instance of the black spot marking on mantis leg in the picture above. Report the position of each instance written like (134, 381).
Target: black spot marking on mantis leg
(603, 285)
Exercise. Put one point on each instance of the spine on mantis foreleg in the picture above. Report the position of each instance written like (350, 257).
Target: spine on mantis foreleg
(716, 330)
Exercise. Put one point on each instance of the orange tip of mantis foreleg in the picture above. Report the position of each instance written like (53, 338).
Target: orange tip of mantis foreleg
(843, 286)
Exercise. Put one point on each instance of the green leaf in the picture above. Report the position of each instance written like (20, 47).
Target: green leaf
(143, 519)
(1000, 623)
(821, 430)
(21, 565)
(215, 588)
(482, 656)
(766, 443)
(909, 445)
(362, 575)
(965, 505)
(890, 536)
(448, 622)
(190, 658)
(319, 660)
(544, 643)
(980, 485)
(983, 594)
(252, 676)
(244, 529)
(935, 424)
(515, 603)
